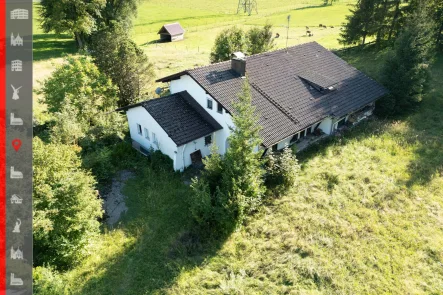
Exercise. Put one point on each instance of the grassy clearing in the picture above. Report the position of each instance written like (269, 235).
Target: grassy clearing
(202, 20)
(366, 218)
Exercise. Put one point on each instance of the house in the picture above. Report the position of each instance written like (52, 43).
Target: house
(300, 94)
(172, 32)
(16, 199)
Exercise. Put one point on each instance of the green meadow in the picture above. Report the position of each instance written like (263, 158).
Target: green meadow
(366, 216)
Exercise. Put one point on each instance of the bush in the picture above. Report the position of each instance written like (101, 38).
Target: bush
(160, 161)
(101, 164)
(47, 281)
(65, 206)
(281, 171)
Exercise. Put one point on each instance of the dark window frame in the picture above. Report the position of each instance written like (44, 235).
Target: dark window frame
(208, 140)
(139, 129)
(219, 108)
(209, 103)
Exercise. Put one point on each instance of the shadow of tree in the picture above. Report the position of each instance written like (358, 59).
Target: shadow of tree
(427, 131)
(167, 241)
(46, 46)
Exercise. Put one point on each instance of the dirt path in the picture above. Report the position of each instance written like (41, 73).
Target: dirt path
(114, 200)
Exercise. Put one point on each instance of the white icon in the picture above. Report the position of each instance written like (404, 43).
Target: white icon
(16, 65)
(16, 254)
(16, 121)
(16, 199)
(16, 174)
(15, 94)
(19, 13)
(17, 225)
(16, 41)
(15, 281)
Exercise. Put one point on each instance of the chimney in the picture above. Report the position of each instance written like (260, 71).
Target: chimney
(238, 63)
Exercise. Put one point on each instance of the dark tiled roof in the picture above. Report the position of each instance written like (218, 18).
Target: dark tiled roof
(173, 29)
(282, 88)
(182, 118)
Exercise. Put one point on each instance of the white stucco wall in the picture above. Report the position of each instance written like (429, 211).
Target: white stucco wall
(326, 125)
(184, 151)
(139, 115)
(199, 94)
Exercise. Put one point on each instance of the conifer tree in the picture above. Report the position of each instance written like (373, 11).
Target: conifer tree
(406, 72)
(242, 177)
(360, 23)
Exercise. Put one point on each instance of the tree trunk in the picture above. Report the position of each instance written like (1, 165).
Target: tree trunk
(364, 39)
(381, 22)
(440, 32)
(394, 19)
(79, 39)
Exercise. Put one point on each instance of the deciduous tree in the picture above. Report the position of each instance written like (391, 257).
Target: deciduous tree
(65, 206)
(260, 39)
(227, 42)
(77, 17)
(124, 62)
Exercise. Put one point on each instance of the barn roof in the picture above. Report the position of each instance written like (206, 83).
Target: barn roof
(172, 29)
(182, 118)
(291, 89)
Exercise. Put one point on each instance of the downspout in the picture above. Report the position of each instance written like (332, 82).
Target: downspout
(183, 155)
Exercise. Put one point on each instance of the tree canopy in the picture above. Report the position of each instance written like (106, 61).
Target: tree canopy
(124, 62)
(81, 100)
(77, 17)
(405, 73)
(65, 205)
(255, 40)
(83, 17)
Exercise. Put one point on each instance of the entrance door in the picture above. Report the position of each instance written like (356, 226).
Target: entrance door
(196, 157)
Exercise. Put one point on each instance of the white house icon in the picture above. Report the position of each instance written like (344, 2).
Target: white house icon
(16, 199)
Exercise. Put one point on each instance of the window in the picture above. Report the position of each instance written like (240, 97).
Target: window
(147, 134)
(274, 147)
(154, 138)
(219, 108)
(294, 138)
(209, 104)
(309, 131)
(341, 123)
(139, 129)
(208, 140)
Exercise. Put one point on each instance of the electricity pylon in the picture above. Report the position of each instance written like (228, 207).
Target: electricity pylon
(247, 6)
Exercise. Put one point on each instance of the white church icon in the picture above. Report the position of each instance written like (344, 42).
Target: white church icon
(16, 254)
(16, 41)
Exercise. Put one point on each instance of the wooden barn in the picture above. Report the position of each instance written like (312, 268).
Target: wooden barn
(172, 32)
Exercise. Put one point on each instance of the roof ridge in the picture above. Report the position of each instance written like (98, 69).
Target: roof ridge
(274, 102)
(248, 56)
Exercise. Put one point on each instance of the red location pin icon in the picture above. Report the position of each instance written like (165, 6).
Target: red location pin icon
(16, 144)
